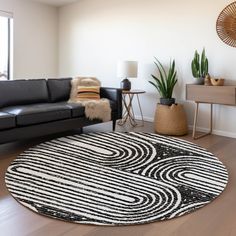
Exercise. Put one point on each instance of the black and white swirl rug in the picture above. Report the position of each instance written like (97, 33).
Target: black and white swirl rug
(115, 178)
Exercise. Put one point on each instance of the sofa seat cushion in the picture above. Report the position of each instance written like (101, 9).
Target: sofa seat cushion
(7, 121)
(38, 113)
(77, 110)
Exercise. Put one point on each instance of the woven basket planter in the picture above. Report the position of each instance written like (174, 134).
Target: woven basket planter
(171, 120)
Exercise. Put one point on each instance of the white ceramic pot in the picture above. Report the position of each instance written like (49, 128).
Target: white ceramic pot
(199, 81)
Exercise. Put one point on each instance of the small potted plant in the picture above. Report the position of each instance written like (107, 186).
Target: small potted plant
(199, 67)
(165, 82)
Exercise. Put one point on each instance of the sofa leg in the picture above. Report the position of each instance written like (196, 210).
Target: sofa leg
(81, 130)
(114, 125)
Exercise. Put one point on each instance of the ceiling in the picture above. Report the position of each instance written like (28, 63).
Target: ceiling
(57, 3)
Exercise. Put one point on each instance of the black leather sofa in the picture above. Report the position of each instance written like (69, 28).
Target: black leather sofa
(33, 108)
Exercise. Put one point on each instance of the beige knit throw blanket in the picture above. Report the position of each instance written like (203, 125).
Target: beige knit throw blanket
(94, 109)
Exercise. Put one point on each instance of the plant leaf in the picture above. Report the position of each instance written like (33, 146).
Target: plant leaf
(166, 81)
(162, 77)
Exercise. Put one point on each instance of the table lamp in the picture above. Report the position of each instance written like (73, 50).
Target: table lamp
(125, 70)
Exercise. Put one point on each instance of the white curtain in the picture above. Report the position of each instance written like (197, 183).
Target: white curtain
(5, 44)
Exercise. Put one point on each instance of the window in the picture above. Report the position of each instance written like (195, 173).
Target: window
(6, 32)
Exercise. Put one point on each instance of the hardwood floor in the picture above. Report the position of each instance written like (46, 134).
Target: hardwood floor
(216, 219)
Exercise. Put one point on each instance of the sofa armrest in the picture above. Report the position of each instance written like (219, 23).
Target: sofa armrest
(115, 95)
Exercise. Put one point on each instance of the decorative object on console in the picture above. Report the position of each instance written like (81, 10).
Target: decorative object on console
(199, 67)
(207, 80)
(115, 178)
(226, 24)
(94, 108)
(165, 82)
(125, 70)
(217, 82)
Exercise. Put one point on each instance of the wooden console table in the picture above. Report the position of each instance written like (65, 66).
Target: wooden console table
(222, 95)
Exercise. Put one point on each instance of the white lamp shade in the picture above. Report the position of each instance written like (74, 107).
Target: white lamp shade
(127, 69)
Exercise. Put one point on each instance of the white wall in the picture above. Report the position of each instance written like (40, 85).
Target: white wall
(95, 34)
(35, 38)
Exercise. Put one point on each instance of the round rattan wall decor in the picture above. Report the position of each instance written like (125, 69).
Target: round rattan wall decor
(226, 25)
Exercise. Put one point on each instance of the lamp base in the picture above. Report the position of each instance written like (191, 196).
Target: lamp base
(125, 84)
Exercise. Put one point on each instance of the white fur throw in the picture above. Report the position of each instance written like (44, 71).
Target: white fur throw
(94, 109)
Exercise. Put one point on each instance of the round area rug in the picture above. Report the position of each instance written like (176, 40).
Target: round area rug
(115, 178)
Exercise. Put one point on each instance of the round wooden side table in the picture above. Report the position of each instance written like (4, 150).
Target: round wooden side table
(128, 112)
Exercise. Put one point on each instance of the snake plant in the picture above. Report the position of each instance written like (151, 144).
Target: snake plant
(166, 81)
(200, 66)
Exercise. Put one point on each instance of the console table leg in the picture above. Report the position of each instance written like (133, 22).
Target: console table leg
(195, 122)
(211, 121)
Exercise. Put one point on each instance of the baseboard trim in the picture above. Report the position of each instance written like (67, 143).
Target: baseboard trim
(145, 118)
(199, 129)
(215, 131)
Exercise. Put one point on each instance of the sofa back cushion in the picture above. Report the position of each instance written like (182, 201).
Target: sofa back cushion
(21, 92)
(59, 89)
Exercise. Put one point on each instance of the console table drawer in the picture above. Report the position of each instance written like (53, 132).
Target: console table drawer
(225, 95)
